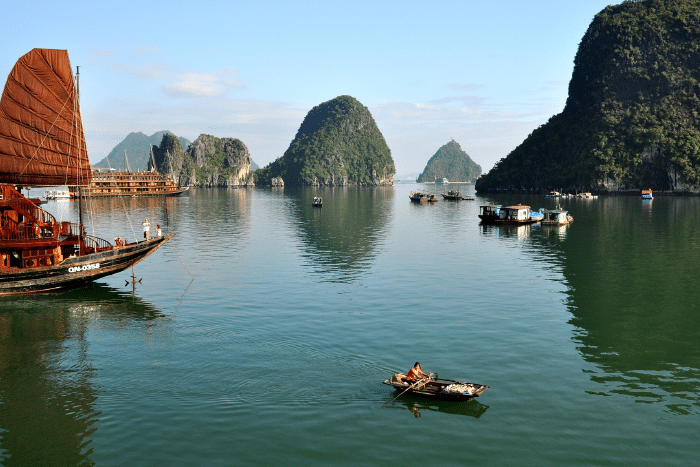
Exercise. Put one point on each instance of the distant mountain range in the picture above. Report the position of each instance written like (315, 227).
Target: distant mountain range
(137, 147)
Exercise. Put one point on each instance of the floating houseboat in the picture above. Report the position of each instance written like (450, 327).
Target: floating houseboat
(646, 194)
(518, 214)
(556, 217)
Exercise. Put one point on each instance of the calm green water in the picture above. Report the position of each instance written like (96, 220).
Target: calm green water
(274, 353)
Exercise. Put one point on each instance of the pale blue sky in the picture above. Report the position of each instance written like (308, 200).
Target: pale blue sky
(483, 73)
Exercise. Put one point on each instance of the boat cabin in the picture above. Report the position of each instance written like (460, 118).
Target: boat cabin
(519, 212)
(556, 217)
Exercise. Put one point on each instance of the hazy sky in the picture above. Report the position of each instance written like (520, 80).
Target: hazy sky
(483, 73)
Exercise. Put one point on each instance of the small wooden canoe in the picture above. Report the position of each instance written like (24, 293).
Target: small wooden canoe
(437, 388)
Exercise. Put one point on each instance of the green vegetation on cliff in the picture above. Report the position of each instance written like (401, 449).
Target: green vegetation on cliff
(631, 119)
(208, 162)
(338, 144)
(452, 163)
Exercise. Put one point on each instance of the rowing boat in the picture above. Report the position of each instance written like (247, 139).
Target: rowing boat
(436, 388)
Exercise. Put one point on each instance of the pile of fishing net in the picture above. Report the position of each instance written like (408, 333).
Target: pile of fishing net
(460, 388)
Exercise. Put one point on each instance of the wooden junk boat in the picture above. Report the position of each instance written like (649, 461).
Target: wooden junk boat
(42, 144)
(126, 183)
(436, 388)
(149, 183)
(421, 197)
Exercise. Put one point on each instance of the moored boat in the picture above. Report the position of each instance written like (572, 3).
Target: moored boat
(556, 217)
(421, 197)
(518, 214)
(647, 194)
(436, 388)
(56, 194)
(489, 213)
(42, 143)
(455, 195)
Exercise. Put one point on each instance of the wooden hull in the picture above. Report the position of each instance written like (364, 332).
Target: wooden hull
(488, 219)
(516, 222)
(77, 271)
(435, 389)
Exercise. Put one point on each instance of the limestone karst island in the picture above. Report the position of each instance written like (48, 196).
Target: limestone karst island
(338, 144)
(631, 119)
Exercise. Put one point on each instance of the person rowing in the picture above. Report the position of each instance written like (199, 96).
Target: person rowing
(416, 373)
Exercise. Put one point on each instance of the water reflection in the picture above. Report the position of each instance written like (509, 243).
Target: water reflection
(632, 298)
(341, 239)
(519, 232)
(47, 394)
(416, 405)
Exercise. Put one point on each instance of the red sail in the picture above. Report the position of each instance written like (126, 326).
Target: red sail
(41, 132)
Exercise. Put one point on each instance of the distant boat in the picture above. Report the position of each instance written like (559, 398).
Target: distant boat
(646, 194)
(556, 217)
(441, 181)
(421, 197)
(489, 213)
(130, 184)
(455, 195)
(57, 194)
(586, 195)
(318, 202)
(553, 194)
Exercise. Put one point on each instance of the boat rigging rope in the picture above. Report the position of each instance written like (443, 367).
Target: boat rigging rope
(109, 164)
(178, 255)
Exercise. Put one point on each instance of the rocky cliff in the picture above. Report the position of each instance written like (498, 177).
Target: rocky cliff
(631, 119)
(452, 163)
(137, 147)
(338, 144)
(208, 162)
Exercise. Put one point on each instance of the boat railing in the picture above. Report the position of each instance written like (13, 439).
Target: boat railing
(70, 229)
(18, 201)
(95, 244)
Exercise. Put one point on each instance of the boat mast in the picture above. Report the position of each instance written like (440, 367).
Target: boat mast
(80, 189)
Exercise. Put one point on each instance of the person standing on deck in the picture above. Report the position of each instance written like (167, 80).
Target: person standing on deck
(158, 232)
(146, 228)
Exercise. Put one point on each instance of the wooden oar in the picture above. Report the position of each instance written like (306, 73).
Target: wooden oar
(413, 386)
